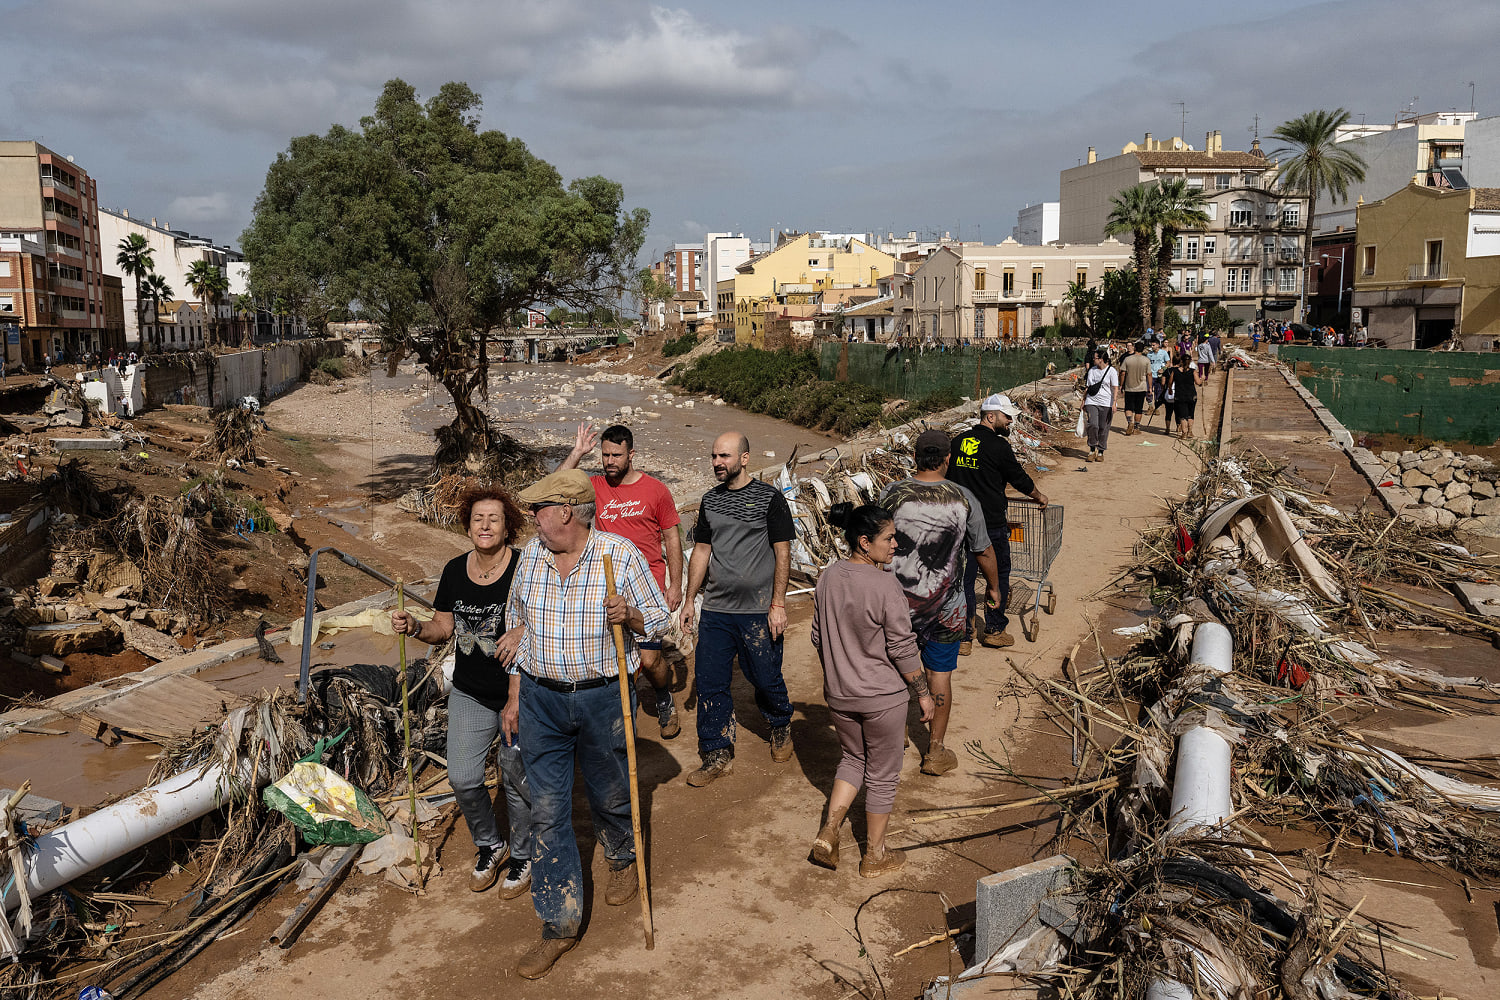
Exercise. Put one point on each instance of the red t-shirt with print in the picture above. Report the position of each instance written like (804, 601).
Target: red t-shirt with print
(639, 512)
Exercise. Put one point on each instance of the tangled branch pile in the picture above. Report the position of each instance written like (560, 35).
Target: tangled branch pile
(232, 437)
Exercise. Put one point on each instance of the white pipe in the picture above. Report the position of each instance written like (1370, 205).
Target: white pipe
(1169, 989)
(79, 847)
(1200, 790)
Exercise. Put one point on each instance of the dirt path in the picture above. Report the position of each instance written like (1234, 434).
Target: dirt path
(739, 910)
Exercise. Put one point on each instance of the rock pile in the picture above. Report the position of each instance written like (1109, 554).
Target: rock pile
(1452, 490)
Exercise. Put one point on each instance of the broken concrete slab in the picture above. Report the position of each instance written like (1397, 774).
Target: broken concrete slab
(69, 637)
(1008, 904)
(87, 444)
(1480, 598)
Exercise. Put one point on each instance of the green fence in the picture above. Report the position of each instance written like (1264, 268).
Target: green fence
(1448, 396)
(913, 374)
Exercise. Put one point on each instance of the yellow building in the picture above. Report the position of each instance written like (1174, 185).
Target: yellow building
(1427, 267)
(815, 261)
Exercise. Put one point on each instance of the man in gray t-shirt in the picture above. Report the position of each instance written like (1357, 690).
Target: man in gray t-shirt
(742, 555)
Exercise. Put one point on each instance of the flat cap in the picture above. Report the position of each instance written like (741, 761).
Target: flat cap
(570, 486)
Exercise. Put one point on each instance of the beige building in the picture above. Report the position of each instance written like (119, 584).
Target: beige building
(1427, 268)
(976, 292)
(1247, 259)
(807, 263)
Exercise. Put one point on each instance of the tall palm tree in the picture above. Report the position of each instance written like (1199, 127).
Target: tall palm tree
(156, 289)
(1314, 164)
(134, 259)
(1137, 211)
(244, 313)
(1181, 208)
(209, 283)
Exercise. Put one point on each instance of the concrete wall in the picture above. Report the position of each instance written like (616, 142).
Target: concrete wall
(264, 374)
(1448, 396)
(907, 374)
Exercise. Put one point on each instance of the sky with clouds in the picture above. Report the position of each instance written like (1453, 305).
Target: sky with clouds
(875, 116)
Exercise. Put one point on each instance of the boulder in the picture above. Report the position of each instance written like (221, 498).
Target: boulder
(70, 637)
(1432, 496)
(1414, 480)
(1390, 457)
(1443, 476)
(1446, 518)
(1487, 526)
(1408, 461)
(1487, 508)
(1461, 475)
(1455, 489)
(1431, 465)
(1482, 488)
(1462, 506)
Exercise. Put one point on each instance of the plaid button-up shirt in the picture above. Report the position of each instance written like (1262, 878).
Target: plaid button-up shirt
(567, 632)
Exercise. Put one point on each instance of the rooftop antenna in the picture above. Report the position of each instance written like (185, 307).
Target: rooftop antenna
(1255, 129)
(1184, 109)
(1471, 96)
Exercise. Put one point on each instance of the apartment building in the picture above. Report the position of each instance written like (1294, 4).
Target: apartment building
(1427, 150)
(173, 253)
(811, 261)
(1247, 259)
(1427, 267)
(1037, 224)
(25, 300)
(975, 292)
(48, 200)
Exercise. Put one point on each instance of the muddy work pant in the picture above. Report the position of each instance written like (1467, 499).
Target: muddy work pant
(472, 728)
(995, 619)
(558, 730)
(721, 638)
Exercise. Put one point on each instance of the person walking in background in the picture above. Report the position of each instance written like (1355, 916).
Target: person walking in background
(939, 526)
(872, 669)
(1101, 398)
(742, 557)
(1182, 396)
(485, 699)
(1159, 359)
(982, 461)
(1136, 377)
(640, 508)
(1205, 358)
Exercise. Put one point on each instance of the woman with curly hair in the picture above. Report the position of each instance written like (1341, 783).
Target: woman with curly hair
(484, 702)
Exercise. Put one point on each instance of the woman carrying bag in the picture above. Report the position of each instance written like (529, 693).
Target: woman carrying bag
(1101, 398)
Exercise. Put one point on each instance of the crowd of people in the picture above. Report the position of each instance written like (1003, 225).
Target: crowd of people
(535, 660)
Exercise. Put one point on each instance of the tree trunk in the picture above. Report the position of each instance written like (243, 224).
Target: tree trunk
(1143, 268)
(1163, 274)
(1307, 231)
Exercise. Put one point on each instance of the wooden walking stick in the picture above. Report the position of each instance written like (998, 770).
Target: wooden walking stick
(635, 800)
(411, 778)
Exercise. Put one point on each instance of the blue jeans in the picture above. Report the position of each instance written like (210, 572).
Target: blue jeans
(994, 618)
(558, 728)
(722, 637)
(472, 728)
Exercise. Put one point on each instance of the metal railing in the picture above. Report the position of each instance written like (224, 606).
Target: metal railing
(1427, 272)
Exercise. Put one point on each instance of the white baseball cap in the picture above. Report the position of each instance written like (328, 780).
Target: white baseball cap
(1000, 401)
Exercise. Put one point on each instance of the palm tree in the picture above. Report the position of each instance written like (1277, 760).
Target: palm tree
(208, 283)
(1085, 302)
(244, 312)
(1181, 208)
(1137, 211)
(1316, 163)
(134, 259)
(156, 289)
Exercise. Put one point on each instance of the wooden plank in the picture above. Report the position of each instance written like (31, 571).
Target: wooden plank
(171, 707)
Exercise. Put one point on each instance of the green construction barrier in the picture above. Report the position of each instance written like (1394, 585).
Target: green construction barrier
(915, 374)
(1444, 396)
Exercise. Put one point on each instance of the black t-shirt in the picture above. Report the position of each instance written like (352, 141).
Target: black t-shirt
(478, 622)
(983, 462)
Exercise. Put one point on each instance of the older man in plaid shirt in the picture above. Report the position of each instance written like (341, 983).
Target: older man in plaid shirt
(570, 708)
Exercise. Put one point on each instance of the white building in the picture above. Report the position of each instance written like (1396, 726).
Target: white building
(173, 252)
(1037, 224)
(1428, 150)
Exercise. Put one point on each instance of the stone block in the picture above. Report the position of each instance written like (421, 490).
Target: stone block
(1461, 506)
(1008, 904)
(69, 637)
(1480, 598)
(1482, 488)
(1487, 508)
(1408, 460)
(1445, 518)
(1414, 480)
(1443, 476)
(1488, 526)
(1431, 465)
(1455, 489)
(1432, 496)
(1422, 517)
(1390, 457)
(1461, 476)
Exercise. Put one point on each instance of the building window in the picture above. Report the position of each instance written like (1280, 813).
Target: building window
(1369, 260)
(7, 304)
(1008, 283)
(1434, 258)
(1287, 280)
(1210, 245)
(1208, 277)
(1241, 213)
(1290, 215)
(1081, 274)
(1174, 281)
(1192, 248)
(4, 269)
(1289, 249)
(979, 279)
(1036, 280)
(1222, 181)
(1190, 283)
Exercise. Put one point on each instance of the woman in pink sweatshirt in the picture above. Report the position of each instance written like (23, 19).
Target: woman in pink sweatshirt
(871, 667)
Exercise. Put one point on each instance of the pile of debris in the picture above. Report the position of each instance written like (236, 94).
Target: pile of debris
(1455, 491)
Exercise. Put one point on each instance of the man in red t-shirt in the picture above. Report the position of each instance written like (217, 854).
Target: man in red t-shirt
(639, 508)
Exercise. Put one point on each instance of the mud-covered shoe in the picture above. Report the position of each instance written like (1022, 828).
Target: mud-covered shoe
(623, 885)
(781, 743)
(517, 879)
(890, 860)
(965, 647)
(666, 716)
(939, 760)
(543, 955)
(997, 640)
(825, 848)
(716, 764)
(487, 864)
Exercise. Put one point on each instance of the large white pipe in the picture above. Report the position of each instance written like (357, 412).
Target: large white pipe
(1200, 790)
(99, 838)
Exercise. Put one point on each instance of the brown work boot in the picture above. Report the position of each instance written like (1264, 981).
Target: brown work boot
(997, 640)
(965, 647)
(716, 764)
(939, 760)
(825, 848)
(890, 860)
(781, 743)
(623, 885)
(542, 956)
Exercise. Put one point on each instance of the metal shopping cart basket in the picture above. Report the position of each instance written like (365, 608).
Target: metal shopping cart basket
(1035, 538)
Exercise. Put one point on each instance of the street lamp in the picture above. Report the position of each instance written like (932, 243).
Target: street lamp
(1340, 309)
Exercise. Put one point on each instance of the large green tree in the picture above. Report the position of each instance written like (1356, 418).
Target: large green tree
(1119, 303)
(134, 258)
(1178, 208)
(439, 231)
(210, 284)
(1137, 210)
(1314, 163)
(1085, 303)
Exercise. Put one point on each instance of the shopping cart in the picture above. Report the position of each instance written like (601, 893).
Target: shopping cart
(1035, 537)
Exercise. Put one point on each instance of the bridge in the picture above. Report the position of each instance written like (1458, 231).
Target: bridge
(531, 346)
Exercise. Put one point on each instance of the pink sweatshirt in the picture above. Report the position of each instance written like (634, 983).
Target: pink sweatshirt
(862, 631)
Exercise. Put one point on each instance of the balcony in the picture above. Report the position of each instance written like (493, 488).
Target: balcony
(60, 184)
(1427, 272)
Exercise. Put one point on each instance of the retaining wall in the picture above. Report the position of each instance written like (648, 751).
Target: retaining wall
(265, 373)
(1448, 395)
(913, 374)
